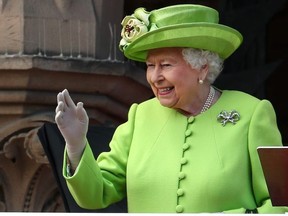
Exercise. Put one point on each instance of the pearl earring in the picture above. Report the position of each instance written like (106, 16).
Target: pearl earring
(200, 81)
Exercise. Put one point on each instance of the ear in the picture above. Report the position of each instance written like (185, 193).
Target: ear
(203, 72)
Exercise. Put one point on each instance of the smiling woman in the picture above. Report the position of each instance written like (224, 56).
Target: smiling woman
(189, 149)
(175, 81)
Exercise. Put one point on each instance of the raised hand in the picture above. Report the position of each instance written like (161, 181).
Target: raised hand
(72, 121)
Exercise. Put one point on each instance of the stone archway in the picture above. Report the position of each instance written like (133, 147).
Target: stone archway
(27, 182)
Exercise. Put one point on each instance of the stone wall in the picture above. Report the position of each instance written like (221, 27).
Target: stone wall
(47, 46)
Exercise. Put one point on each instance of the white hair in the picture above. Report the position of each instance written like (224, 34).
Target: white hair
(197, 58)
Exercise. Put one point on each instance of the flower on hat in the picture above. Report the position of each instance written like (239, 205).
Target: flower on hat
(134, 26)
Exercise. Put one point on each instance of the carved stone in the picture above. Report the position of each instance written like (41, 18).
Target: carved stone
(47, 46)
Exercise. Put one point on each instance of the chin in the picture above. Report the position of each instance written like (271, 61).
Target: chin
(167, 102)
(168, 105)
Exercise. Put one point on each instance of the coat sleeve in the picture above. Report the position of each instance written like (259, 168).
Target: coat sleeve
(263, 131)
(98, 183)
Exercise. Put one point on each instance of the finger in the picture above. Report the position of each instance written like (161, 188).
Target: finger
(60, 97)
(81, 113)
(68, 100)
(59, 118)
(60, 107)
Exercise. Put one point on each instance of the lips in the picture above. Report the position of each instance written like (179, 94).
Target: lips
(164, 91)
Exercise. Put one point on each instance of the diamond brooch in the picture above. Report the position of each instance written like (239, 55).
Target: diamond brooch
(225, 116)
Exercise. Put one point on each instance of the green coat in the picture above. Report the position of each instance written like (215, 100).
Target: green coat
(165, 162)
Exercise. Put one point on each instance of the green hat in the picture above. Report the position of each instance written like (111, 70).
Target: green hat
(184, 25)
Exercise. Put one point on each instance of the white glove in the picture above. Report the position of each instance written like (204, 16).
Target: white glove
(72, 122)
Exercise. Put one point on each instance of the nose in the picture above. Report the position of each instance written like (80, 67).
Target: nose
(155, 75)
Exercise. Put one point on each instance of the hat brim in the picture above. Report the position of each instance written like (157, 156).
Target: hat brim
(208, 36)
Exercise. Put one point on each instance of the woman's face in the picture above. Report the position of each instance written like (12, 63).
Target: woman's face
(171, 78)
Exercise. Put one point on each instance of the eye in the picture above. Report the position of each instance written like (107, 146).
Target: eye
(166, 65)
(149, 65)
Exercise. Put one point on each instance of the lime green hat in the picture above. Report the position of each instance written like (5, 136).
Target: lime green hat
(184, 25)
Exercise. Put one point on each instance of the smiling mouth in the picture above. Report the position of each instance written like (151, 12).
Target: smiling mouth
(164, 91)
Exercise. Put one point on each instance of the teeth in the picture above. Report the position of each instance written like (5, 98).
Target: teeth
(165, 89)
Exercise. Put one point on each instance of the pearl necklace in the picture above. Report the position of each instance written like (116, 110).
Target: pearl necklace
(209, 100)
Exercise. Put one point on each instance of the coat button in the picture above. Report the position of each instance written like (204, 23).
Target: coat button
(185, 146)
(188, 132)
(191, 119)
(181, 175)
(179, 208)
(184, 161)
(180, 192)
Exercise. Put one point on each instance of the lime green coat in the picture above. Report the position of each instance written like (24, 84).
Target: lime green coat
(165, 162)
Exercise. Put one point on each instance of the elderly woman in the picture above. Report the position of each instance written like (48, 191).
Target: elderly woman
(190, 149)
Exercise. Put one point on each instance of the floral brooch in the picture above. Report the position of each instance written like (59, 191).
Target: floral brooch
(133, 27)
(225, 116)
